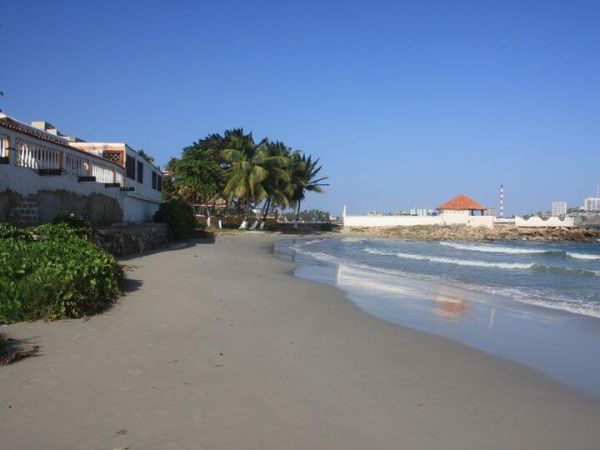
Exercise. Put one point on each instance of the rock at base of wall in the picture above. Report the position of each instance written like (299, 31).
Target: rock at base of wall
(130, 239)
(499, 232)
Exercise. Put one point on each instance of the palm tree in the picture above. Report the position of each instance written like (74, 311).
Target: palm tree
(304, 179)
(146, 156)
(250, 165)
(278, 182)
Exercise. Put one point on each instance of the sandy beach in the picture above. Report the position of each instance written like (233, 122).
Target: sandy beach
(217, 346)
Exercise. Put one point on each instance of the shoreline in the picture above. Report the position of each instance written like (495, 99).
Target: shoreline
(218, 346)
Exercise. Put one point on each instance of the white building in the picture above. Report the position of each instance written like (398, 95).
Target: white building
(559, 209)
(44, 173)
(592, 204)
(143, 180)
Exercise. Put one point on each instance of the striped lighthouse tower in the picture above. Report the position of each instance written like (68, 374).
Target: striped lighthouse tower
(501, 201)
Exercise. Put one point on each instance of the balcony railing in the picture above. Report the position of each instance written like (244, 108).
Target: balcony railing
(62, 160)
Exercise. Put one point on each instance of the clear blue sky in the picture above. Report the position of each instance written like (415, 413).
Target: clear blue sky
(406, 103)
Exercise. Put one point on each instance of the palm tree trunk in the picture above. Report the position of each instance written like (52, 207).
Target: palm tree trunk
(264, 220)
(244, 225)
(297, 215)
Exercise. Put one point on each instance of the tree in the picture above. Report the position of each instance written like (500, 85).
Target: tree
(304, 179)
(198, 176)
(244, 173)
(250, 168)
(278, 182)
(146, 156)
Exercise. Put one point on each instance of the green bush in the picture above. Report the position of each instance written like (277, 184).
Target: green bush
(179, 216)
(52, 272)
(10, 232)
(74, 222)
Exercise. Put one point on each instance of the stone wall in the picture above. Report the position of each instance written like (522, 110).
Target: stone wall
(130, 239)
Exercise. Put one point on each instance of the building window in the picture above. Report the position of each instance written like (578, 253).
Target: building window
(130, 168)
(154, 180)
(140, 172)
(4, 146)
(159, 183)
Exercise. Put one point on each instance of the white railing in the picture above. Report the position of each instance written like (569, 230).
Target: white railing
(119, 178)
(36, 156)
(102, 174)
(75, 165)
(72, 162)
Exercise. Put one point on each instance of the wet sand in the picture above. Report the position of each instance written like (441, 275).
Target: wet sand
(218, 347)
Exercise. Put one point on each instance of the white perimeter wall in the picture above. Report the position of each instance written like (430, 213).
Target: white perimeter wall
(542, 223)
(408, 221)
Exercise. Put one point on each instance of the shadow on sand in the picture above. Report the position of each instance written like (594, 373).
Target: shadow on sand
(171, 246)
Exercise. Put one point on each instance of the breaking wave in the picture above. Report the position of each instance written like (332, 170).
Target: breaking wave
(459, 262)
(583, 256)
(495, 249)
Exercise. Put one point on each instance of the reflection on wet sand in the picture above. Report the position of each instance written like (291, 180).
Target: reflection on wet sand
(447, 303)
(360, 279)
(450, 304)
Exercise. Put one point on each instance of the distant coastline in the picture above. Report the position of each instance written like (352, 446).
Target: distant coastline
(498, 233)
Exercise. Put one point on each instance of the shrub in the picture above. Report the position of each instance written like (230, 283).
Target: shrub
(10, 232)
(179, 216)
(328, 226)
(52, 272)
(73, 222)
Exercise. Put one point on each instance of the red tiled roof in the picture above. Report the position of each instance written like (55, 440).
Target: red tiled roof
(461, 202)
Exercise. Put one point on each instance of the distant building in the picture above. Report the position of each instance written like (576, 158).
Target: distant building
(559, 209)
(592, 204)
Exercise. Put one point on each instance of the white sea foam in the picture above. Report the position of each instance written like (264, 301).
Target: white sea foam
(583, 256)
(306, 243)
(494, 248)
(546, 301)
(459, 262)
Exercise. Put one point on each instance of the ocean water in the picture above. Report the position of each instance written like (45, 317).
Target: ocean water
(536, 303)
(563, 276)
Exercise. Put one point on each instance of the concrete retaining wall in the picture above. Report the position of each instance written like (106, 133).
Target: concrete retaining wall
(137, 210)
(27, 198)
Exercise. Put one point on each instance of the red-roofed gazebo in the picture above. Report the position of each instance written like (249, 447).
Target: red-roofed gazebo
(462, 204)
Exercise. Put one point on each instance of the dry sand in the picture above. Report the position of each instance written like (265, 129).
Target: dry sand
(218, 347)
